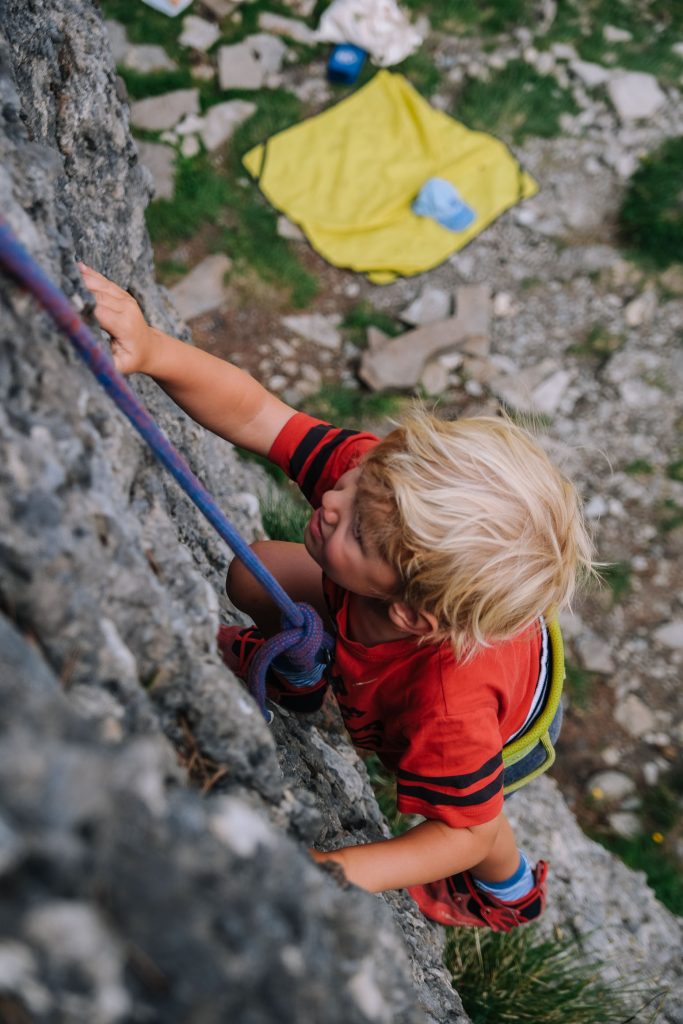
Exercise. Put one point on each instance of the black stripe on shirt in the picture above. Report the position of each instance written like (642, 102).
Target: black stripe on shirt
(322, 455)
(436, 799)
(308, 443)
(456, 781)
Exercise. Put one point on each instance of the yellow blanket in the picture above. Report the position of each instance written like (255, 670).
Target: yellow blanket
(348, 177)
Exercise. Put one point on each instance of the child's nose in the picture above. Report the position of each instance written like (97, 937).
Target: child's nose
(330, 508)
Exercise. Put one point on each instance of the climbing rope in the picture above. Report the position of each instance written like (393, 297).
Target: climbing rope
(303, 637)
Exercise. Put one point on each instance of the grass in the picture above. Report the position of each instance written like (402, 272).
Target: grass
(651, 215)
(639, 467)
(599, 343)
(579, 683)
(523, 978)
(515, 103)
(284, 515)
(617, 576)
(421, 71)
(674, 470)
(669, 516)
(364, 315)
(351, 406)
(470, 16)
(209, 192)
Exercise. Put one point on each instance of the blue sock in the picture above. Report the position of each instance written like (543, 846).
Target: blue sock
(297, 677)
(512, 888)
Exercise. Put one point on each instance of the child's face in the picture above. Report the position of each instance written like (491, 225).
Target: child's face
(334, 538)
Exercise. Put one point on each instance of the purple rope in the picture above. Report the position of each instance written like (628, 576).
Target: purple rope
(303, 633)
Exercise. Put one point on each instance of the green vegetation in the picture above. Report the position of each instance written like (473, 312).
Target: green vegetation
(514, 103)
(639, 467)
(421, 71)
(655, 850)
(651, 216)
(599, 343)
(674, 470)
(156, 83)
(670, 516)
(522, 978)
(579, 683)
(284, 514)
(469, 16)
(364, 315)
(617, 576)
(351, 406)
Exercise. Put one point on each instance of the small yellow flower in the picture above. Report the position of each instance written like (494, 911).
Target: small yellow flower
(657, 837)
(597, 793)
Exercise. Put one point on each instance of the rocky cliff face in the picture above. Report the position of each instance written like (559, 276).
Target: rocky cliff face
(152, 828)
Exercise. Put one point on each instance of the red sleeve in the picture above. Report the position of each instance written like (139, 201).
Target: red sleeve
(453, 769)
(315, 454)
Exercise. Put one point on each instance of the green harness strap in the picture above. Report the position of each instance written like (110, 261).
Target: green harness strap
(539, 732)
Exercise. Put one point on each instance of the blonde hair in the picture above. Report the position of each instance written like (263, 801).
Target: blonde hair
(484, 532)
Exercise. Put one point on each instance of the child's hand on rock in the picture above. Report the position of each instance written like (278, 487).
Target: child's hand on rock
(119, 315)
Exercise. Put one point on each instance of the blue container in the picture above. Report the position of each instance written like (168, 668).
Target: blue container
(345, 63)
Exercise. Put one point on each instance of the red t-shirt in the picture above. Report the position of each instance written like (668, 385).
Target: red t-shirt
(439, 724)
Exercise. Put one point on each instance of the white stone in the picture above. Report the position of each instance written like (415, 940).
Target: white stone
(651, 773)
(159, 160)
(286, 229)
(596, 507)
(431, 304)
(612, 785)
(670, 634)
(435, 378)
(367, 994)
(190, 147)
(642, 309)
(594, 654)
(290, 27)
(317, 327)
(613, 34)
(203, 288)
(563, 51)
(198, 34)
(239, 826)
(118, 39)
(611, 756)
(158, 113)
(634, 716)
(635, 95)
(547, 396)
(189, 125)
(221, 120)
(146, 58)
(625, 823)
(592, 75)
(247, 65)
(677, 48)
(504, 305)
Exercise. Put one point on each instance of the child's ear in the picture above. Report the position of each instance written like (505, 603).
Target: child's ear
(409, 620)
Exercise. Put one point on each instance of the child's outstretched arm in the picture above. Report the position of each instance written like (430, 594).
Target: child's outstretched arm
(216, 394)
(426, 853)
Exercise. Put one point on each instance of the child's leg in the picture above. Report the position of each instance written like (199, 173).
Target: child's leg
(502, 860)
(296, 572)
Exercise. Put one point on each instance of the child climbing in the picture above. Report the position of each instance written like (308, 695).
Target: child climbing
(439, 557)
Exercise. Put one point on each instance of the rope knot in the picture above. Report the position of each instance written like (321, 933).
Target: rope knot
(305, 645)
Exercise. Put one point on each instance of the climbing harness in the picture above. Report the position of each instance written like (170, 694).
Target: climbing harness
(303, 638)
(540, 730)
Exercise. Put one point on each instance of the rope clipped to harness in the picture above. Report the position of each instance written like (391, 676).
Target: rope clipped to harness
(303, 636)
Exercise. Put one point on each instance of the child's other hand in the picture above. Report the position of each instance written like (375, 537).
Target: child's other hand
(119, 315)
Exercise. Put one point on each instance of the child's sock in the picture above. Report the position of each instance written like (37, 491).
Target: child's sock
(512, 888)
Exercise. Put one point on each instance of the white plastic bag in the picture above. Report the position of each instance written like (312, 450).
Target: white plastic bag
(378, 26)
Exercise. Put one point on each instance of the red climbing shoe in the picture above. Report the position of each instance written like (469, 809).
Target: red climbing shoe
(457, 901)
(239, 644)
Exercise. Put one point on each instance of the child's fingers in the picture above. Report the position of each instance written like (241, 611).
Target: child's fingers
(96, 282)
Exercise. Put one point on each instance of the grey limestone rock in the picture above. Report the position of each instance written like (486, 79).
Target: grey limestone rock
(115, 710)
